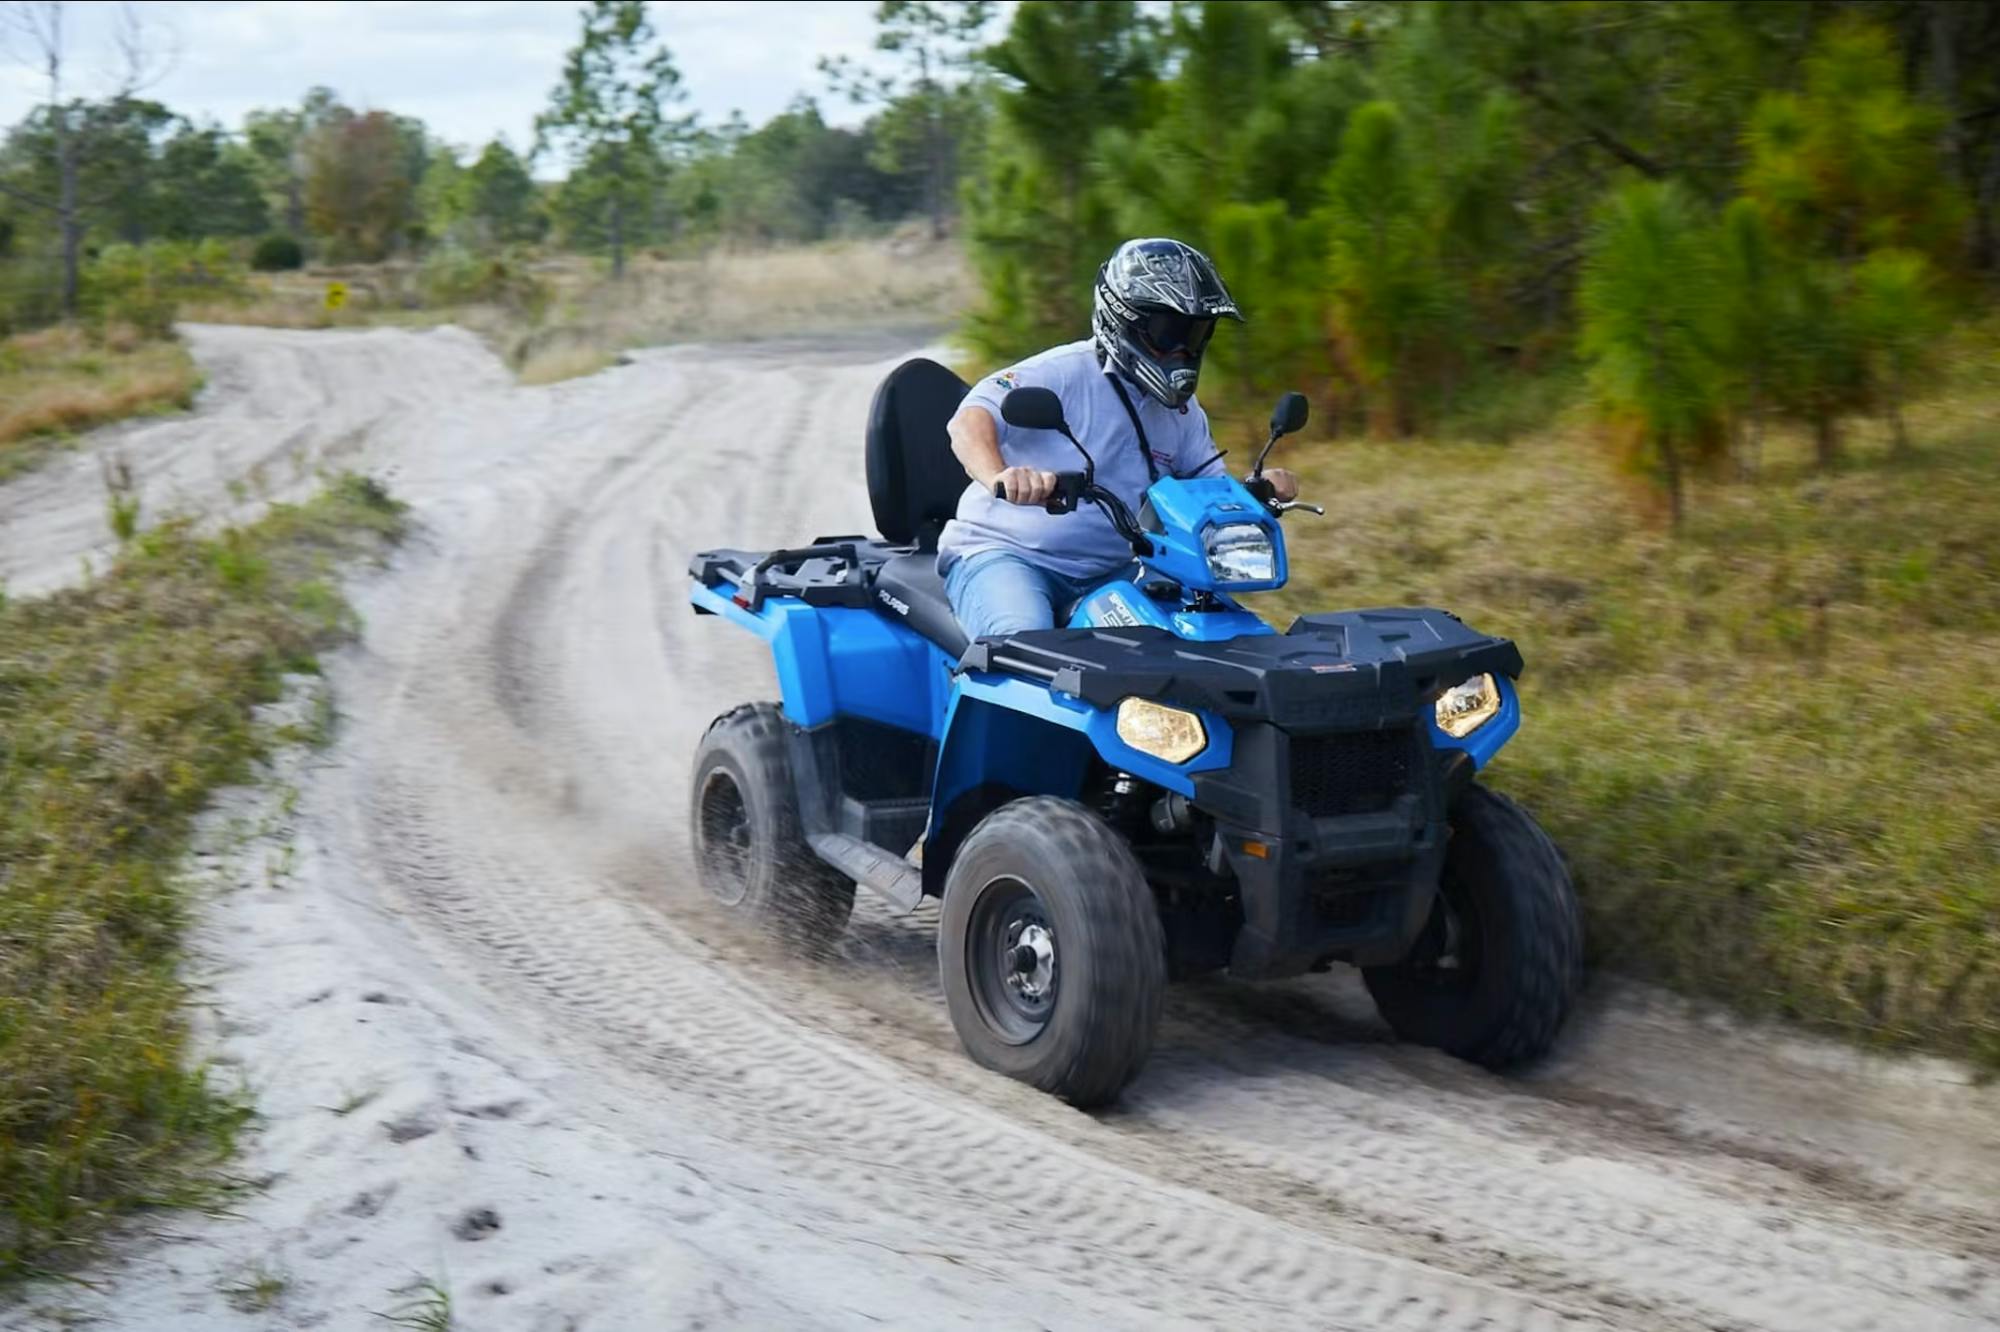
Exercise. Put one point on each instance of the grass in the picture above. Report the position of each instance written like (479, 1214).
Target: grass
(1771, 747)
(124, 705)
(59, 381)
(254, 1286)
(426, 1307)
(577, 321)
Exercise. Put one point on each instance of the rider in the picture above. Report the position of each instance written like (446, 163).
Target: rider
(1128, 396)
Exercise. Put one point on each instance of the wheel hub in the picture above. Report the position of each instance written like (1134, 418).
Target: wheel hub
(1030, 960)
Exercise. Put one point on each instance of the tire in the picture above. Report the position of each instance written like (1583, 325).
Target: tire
(1078, 1020)
(749, 850)
(1494, 973)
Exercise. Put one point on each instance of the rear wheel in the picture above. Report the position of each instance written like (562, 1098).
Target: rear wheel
(749, 849)
(1494, 972)
(1050, 949)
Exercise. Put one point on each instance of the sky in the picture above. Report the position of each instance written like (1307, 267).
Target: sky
(471, 69)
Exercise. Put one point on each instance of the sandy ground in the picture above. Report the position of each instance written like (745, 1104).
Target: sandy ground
(498, 1043)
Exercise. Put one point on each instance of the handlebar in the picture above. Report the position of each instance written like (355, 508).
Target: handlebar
(1266, 494)
(1071, 488)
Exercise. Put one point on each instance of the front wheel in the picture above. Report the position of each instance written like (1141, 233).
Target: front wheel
(1494, 972)
(1051, 952)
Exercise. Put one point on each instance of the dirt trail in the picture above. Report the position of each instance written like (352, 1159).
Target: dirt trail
(585, 1101)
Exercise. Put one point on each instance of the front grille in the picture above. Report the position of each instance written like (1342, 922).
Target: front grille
(1352, 772)
(1345, 904)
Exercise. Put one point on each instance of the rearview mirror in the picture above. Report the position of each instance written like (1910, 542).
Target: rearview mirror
(1287, 416)
(1034, 409)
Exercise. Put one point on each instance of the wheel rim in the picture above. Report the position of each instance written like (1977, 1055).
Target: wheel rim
(1447, 954)
(1012, 960)
(722, 832)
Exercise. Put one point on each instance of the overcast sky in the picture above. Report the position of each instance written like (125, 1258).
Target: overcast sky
(470, 68)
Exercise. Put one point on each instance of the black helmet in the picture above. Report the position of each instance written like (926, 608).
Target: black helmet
(1156, 305)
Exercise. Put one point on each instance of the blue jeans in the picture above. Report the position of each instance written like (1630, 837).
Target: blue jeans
(995, 592)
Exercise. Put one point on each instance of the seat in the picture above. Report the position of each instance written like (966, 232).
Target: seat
(910, 587)
(913, 486)
(913, 480)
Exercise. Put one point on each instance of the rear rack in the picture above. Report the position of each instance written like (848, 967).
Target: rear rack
(832, 571)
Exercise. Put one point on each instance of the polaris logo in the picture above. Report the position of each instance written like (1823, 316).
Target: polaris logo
(1113, 611)
(893, 603)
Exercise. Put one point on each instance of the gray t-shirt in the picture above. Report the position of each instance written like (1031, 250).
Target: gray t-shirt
(1081, 544)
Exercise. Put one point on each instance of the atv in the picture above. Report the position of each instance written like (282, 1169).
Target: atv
(1167, 787)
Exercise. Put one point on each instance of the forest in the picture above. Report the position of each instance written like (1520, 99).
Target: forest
(1724, 213)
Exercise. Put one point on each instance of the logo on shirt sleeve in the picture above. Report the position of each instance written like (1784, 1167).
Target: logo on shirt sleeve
(1008, 379)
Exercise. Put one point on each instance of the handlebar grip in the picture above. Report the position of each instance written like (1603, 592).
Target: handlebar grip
(999, 490)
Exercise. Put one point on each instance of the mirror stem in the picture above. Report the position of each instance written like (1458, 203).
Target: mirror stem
(1257, 469)
(1089, 466)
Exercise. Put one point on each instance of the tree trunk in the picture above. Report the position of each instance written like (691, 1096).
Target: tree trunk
(1986, 236)
(934, 184)
(933, 144)
(1757, 441)
(617, 234)
(67, 219)
(1826, 439)
(1899, 435)
(1670, 459)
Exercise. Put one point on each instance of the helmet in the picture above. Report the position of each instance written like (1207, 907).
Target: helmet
(1156, 305)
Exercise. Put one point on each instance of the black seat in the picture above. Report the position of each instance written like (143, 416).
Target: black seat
(913, 480)
(910, 586)
(913, 485)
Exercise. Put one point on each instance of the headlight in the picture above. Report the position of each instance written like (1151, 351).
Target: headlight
(1164, 732)
(1465, 708)
(1240, 553)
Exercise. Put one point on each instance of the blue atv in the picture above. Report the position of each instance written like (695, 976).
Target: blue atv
(1165, 788)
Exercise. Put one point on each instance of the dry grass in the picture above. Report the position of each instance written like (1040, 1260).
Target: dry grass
(1771, 746)
(761, 294)
(62, 380)
(551, 364)
(576, 320)
(123, 705)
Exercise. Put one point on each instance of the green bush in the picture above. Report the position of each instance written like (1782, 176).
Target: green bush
(277, 253)
(143, 285)
(453, 275)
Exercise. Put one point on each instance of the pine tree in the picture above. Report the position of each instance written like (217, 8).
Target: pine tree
(609, 118)
(1648, 324)
(1900, 318)
(1041, 223)
(1388, 291)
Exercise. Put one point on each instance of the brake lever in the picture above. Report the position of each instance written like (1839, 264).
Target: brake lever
(1283, 507)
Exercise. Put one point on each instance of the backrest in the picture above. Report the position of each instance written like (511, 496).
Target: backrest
(913, 480)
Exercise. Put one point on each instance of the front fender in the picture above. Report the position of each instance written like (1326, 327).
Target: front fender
(1005, 738)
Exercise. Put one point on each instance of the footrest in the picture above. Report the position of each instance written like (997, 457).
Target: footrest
(875, 868)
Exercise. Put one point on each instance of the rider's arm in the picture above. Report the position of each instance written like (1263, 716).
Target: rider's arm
(975, 442)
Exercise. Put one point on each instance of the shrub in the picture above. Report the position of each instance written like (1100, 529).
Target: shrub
(277, 253)
(452, 275)
(143, 285)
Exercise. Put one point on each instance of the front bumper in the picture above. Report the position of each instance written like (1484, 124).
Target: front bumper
(1335, 841)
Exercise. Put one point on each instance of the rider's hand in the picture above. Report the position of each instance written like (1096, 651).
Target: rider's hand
(1026, 485)
(1284, 484)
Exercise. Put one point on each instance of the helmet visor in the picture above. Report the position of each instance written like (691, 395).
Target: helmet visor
(1169, 331)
